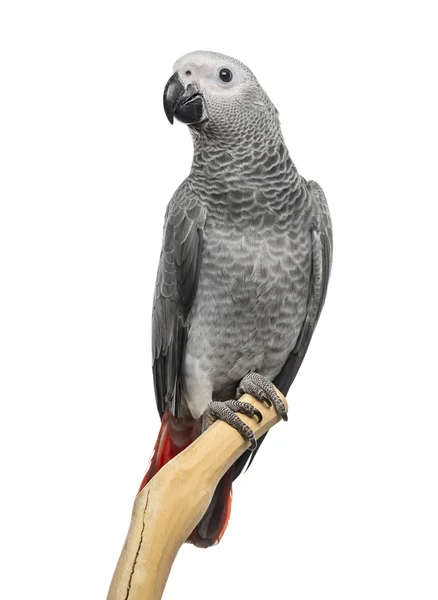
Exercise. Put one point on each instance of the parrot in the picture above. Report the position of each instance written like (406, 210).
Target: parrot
(243, 271)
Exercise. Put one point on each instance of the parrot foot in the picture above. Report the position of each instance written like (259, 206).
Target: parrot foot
(226, 411)
(258, 386)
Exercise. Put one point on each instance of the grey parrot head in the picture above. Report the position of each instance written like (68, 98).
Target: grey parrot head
(218, 96)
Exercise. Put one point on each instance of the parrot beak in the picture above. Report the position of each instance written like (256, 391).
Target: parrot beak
(185, 103)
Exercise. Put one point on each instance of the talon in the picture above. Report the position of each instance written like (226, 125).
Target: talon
(226, 411)
(258, 386)
(259, 415)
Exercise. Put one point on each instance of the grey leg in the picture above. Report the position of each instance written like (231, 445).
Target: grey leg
(226, 411)
(258, 386)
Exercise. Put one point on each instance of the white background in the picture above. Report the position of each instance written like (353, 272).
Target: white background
(341, 501)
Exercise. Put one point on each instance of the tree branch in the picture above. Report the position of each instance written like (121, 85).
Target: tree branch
(172, 504)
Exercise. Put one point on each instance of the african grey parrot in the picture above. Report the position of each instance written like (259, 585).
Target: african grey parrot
(243, 272)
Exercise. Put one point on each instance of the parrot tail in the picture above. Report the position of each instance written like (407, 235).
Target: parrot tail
(213, 524)
(173, 438)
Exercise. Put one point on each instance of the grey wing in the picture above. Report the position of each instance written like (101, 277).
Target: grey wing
(322, 243)
(322, 250)
(175, 292)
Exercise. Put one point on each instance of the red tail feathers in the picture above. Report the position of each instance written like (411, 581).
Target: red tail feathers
(213, 524)
(173, 438)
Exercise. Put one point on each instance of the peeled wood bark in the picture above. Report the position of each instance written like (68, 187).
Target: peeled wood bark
(172, 504)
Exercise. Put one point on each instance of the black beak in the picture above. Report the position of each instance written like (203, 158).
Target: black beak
(186, 104)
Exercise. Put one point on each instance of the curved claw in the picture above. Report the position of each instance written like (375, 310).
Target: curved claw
(240, 392)
(259, 415)
(253, 445)
(262, 389)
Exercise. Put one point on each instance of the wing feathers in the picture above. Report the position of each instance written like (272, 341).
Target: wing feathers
(321, 265)
(175, 292)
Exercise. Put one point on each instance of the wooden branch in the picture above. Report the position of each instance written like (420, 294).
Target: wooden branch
(172, 504)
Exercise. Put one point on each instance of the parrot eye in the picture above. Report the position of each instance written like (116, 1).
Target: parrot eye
(225, 75)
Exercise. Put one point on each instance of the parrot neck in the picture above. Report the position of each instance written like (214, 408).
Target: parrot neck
(210, 141)
(238, 164)
(253, 130)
